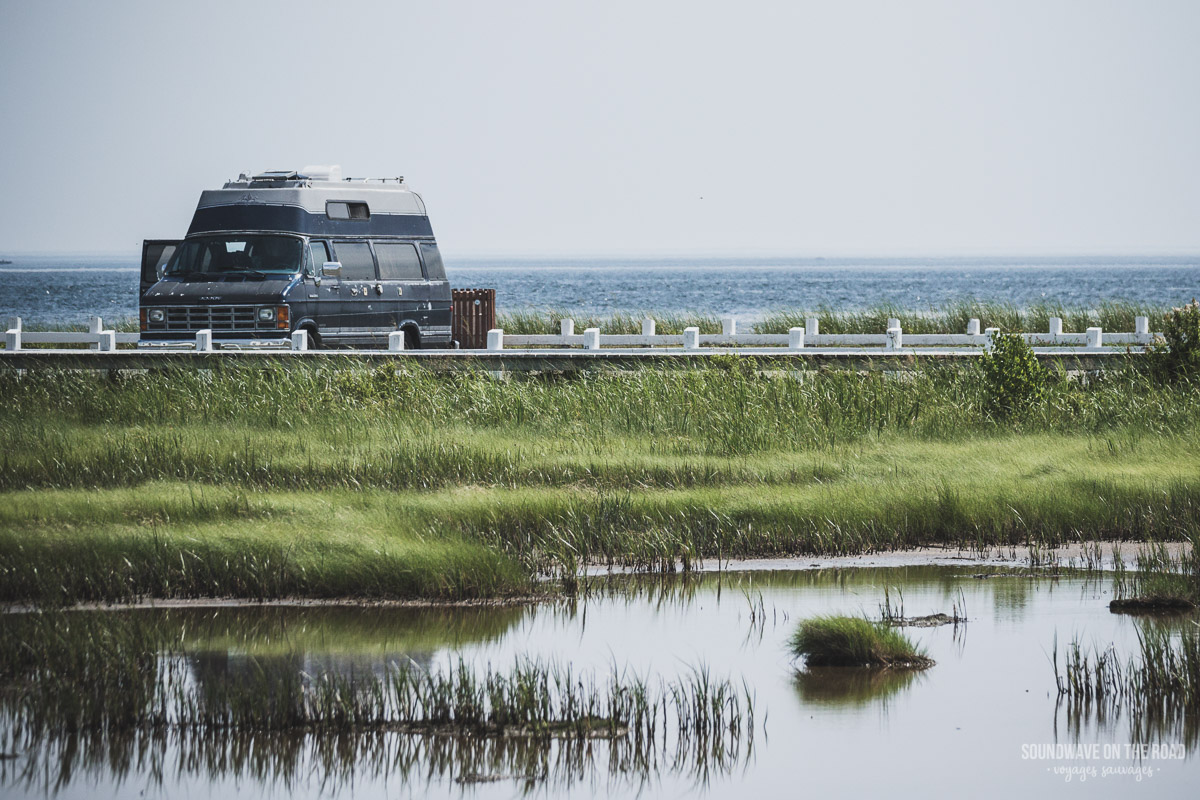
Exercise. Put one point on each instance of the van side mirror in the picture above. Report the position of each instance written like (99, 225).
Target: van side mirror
(332, 269)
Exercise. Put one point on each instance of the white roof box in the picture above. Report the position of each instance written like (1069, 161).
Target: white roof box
(332, 172)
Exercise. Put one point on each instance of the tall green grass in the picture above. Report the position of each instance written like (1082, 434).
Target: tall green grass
(548, 322)
(726, 408)
(404, 483)
(1111, 315)
(472, 541)
(1159, 577)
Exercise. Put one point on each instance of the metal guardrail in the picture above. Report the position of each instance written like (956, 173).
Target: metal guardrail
(894, 340)
(807, 338)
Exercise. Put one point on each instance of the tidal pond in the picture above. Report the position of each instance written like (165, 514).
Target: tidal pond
(985, 720)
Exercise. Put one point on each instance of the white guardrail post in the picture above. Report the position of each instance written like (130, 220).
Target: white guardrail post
(106, 340)
(972, 327)
(691, 338)
(812, 327)
(496, 339)
(1056, 326)
(648, 327)
(1141, 326)
(990, 333)
(204, 342)
(591, 339)
(566, 327)
(1095, 338)
(300, 340)
(12, 335)
(895, 340)
(728, 326)
(796, 338)
(95, 326)
(396, 341)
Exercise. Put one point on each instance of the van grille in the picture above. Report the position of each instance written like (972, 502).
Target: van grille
(217, 318)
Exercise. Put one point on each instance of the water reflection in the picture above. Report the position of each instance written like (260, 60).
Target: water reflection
(1151, 693)
(851, 686)
(334, 761)
(985, 696)
(232, 695)
(1155, 723)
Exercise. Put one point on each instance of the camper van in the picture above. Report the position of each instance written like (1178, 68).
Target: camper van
(348, 260)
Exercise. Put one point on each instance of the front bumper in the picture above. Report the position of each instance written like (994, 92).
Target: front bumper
(217, 343)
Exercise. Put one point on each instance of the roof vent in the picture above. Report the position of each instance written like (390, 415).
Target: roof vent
(278, 175)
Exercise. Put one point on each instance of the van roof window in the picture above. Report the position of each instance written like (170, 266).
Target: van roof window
(337, 209)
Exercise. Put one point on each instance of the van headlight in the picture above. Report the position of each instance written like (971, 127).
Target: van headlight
(266, 315)
(156, 315)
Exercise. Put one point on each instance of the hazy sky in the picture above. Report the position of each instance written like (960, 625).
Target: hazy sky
(808, 128)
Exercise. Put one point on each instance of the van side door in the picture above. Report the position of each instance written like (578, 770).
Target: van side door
(364, 315)
(404, 287)
(441, 301)
(324, 292)
(155, 255)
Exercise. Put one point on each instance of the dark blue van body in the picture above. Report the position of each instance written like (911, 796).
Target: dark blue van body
(349, 261)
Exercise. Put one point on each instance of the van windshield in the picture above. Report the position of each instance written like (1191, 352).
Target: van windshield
(240, 255)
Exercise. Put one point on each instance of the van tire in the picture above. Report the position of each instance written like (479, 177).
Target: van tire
(411, 340)
(314, 339)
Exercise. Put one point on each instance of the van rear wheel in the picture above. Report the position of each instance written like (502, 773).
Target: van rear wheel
(411, 340)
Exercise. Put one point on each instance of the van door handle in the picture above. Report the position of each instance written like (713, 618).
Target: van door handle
(379, 288)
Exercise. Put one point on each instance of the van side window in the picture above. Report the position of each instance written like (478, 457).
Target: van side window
(319, 252)
(357, 262)
(398, 262)
(433, 262)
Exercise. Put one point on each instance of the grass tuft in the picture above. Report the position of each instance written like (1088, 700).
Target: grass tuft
(838, 641)
(1159, 580)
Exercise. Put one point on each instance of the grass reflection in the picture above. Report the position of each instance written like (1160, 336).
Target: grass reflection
(110, 695)
(851, 686)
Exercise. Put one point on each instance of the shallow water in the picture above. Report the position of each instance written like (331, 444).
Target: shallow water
(980, 721)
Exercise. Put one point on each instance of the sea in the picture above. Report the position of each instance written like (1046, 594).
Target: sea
(48, 290)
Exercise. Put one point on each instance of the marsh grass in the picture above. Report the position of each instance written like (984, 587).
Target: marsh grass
(892, 613)
(1158, 687)
(403, 483)
(64, 546)
(725, 408)
(1159, 579)
(279, 553)
(837, 641)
